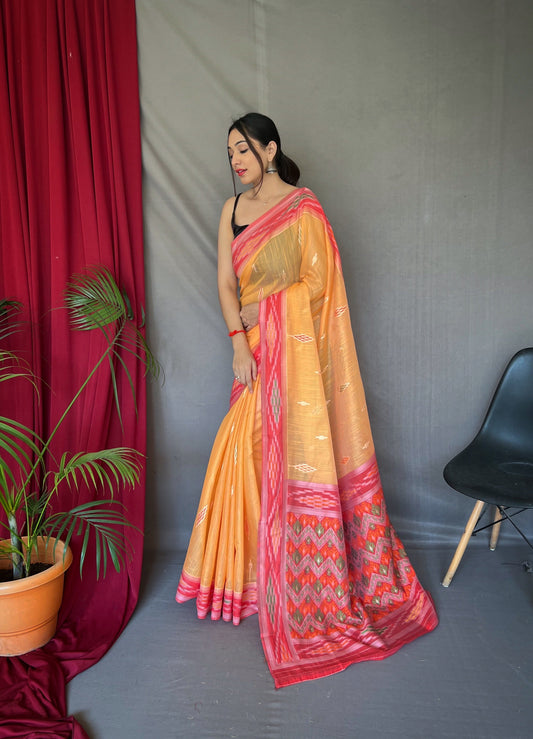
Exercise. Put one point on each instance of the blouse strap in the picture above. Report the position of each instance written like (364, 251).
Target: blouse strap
(233, 214)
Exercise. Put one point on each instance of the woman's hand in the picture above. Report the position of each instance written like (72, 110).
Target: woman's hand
(250, 315)
(244, 364)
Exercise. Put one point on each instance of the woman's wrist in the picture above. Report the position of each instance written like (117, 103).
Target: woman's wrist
(239, 338)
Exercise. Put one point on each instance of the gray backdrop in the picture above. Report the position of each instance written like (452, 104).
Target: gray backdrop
(411, 120)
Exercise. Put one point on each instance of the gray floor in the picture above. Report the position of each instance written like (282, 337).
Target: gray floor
(171, 675)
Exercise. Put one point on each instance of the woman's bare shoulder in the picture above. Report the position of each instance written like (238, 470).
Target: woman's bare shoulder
(228, 204)
(227, 210)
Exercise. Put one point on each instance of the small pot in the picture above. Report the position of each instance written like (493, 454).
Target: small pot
(29, 607)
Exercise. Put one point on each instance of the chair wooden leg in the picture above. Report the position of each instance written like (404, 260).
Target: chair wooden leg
(495, 529)
(470, 526)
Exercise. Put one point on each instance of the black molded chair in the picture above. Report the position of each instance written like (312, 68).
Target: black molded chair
(497, 466)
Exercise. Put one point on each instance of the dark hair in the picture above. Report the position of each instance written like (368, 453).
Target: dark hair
(263, 129)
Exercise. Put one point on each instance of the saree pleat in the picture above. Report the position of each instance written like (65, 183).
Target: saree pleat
(220, 566)
(334, 584)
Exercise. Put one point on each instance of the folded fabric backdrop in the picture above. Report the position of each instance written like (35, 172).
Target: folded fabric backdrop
(70, 197)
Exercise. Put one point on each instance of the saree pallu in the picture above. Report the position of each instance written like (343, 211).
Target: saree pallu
(292, 522)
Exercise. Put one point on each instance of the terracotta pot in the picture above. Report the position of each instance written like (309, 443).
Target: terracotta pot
(29, 607)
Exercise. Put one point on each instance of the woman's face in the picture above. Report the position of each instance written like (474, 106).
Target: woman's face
(243, 159)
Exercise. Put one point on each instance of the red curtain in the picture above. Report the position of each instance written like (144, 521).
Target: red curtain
(70, 197)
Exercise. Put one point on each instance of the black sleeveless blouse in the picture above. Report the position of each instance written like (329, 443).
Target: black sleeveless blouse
(236, 229)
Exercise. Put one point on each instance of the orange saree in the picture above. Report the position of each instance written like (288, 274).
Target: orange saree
(292, 521)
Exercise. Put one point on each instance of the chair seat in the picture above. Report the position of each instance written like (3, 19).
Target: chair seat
(497, 466)
(481, 473)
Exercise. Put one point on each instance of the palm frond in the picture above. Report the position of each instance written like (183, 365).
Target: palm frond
(113, 376)
(13, 553)
(18, 442)
(11, 365)
(135, 343)
(7, 498)
(94, 300)
(129, 310)
(104, 523)
(35, 505)
(6, 374)
(8, 309)
(102, 470)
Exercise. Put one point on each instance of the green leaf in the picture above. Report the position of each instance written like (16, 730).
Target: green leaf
(102, 470)
(8, 324)
(17, 441)
(94, 300)
(105, 522)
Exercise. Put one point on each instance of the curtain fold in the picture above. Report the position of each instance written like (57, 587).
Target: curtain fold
(70, 198)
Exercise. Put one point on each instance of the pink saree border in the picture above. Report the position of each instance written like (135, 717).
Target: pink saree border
(271, 552)
(249, 242)
(219, 602)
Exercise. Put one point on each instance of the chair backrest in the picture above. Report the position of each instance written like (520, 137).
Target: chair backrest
(509, 419)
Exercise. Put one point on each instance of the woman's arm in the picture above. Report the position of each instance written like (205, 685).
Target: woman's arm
(244, 365)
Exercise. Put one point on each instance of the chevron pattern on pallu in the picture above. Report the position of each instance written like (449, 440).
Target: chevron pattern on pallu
(377, 562)
(337, 565)
(316, 575)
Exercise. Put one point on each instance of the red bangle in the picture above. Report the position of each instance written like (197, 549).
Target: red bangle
(237, 331)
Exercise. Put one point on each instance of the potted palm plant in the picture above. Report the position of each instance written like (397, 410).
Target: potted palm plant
(35, 551)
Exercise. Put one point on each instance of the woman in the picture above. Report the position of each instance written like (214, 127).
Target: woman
(292, 522)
